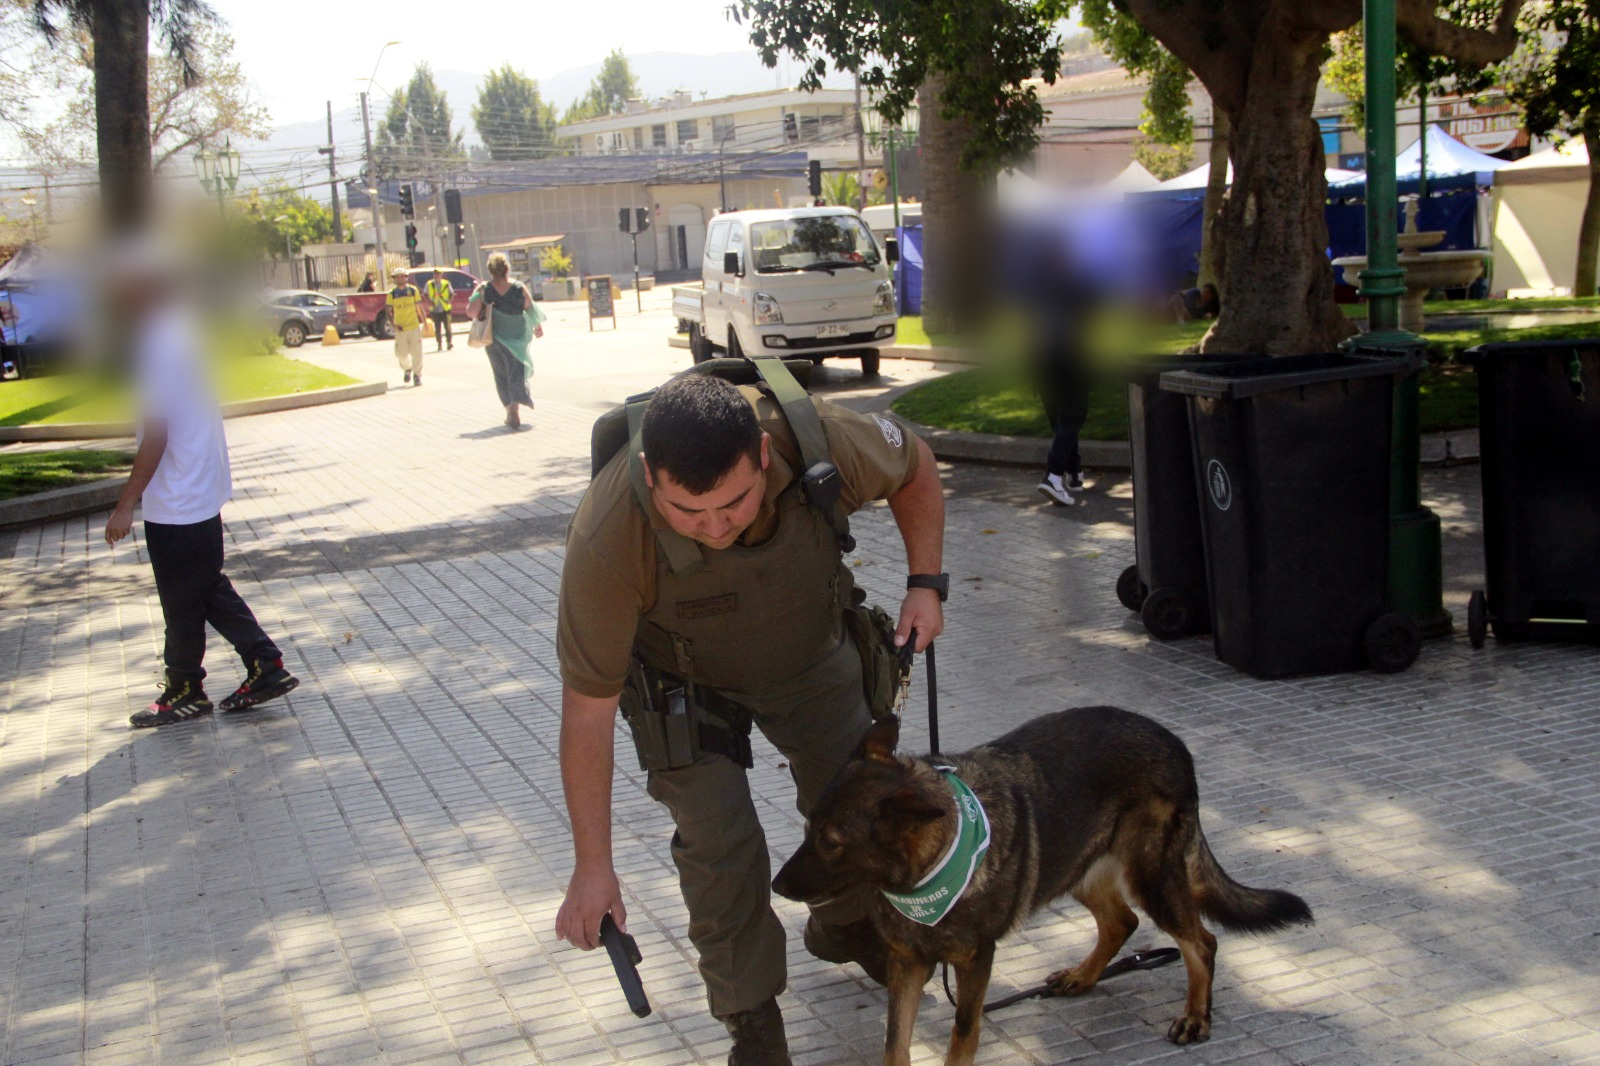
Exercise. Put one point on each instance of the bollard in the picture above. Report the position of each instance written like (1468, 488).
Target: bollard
(330, 336)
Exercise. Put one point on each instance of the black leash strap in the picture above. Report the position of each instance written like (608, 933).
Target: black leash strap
(906, 652)
(1139, 960)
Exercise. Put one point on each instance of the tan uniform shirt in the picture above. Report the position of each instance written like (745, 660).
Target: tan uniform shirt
(609, 578)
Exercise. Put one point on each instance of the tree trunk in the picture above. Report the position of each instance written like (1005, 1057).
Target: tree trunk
(955, 241)
(1278, 284)
(120, 30)
(1211, 233)
(1583, 278)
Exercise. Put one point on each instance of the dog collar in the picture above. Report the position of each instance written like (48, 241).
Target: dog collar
(933, 897)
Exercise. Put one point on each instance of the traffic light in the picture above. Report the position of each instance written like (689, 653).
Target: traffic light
(452, 205)
(791, 130)
(641, 217)
(461, 232)
(622, 219)
(408, 203)
(411, 236)
(814, 177)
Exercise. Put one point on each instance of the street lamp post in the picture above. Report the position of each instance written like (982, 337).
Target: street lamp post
(373, 184)
(218, 173)
(1416, 569)
(33, 215)
(876, 127)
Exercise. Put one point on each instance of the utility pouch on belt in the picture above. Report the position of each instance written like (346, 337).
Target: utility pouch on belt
(674, 721)
(872, 631)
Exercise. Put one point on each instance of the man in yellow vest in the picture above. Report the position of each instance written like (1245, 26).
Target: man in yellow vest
(405, 312)
(440, 294)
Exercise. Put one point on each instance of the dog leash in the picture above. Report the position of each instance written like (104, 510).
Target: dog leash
(906, 653)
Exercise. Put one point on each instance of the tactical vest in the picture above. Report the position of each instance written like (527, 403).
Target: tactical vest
(747, 617)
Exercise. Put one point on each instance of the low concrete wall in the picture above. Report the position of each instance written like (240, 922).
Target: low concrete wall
(61, 503)
(104, 430)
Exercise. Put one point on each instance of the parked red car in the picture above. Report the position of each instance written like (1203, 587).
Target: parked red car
(366, 309)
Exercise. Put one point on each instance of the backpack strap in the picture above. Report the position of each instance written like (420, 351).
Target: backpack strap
(682, 553)
(820, 481)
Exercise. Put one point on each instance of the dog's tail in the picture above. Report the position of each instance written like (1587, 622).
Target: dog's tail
(1239, 907)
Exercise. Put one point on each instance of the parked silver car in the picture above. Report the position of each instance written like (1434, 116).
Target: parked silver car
(296, 314)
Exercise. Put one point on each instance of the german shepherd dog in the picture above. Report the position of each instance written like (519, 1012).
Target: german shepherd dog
(1094, 801)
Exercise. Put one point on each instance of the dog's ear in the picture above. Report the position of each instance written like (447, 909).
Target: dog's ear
(879, 743)
(909, 806)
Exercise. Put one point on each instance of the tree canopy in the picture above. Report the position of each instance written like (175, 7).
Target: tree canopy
(415, 135)
(268, 217)
(609, 92)
(513, 120)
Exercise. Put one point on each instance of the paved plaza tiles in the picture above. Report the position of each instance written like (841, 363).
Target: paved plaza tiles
(369, 871)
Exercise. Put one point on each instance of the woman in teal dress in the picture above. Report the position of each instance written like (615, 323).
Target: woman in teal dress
(516, 321)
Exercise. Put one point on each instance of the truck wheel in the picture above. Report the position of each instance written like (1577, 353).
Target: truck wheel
(294, 334)
(383, 326)
(1393, 643)
(870, 358)
(699, 347)
(735, 349)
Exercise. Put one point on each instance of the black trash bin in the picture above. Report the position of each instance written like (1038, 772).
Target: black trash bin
(1539, 438)
(1291, 460)
(1166, 586)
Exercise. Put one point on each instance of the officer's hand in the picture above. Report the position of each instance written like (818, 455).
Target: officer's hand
(922, 611)
(120, 524)
(591, 894)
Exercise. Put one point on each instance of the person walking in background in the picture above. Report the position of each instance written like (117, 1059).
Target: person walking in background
(368, 284)
(405, 311)
(182, 475)
(1057, 301)
(515, 321)
(440, 293)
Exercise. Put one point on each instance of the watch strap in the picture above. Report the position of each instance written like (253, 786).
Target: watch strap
(939, 583)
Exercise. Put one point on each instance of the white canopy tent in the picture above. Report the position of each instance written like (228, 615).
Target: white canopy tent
(1197, 178)
(1018, 190)
(1539, 206)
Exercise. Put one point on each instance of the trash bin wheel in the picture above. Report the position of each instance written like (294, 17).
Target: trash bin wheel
(1477, 618)
(1168, 613)
(1393, 643)
(1130, 590)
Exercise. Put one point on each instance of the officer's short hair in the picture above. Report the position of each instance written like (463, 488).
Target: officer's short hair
(695, 430)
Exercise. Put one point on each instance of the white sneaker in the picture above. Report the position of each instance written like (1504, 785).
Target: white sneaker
(1052, 487)
(1075, 482)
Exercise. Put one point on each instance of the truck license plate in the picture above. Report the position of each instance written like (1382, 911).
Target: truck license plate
(833, 331)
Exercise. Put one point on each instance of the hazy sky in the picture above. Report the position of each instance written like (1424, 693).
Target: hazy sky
(301, 54)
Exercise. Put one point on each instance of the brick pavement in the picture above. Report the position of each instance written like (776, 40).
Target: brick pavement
(369, 871)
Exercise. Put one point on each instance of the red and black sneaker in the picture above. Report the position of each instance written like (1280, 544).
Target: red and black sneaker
(180, 701)
(267, 680)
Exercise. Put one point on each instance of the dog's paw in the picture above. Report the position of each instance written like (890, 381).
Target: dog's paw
(1189, 1029)
(1071, 982)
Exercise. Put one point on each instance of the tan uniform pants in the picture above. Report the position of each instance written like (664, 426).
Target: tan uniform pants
(408, 349)
(816, 721)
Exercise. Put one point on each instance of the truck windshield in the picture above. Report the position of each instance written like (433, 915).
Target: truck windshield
(813, 242)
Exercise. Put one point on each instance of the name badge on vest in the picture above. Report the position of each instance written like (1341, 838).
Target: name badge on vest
(727, 603)
(933, 897)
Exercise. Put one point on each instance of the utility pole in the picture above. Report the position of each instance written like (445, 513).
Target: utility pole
(861, 152)
(372, 188)
(333, 176)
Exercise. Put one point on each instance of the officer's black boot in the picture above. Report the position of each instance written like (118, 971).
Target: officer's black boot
(859, 942)
(758, 1038)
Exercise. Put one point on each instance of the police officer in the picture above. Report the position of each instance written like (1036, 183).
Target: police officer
(710, 564)
(440, 294)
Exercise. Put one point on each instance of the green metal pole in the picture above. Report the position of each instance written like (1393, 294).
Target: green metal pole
(222, 204)
(1416, 569)
(894, 182)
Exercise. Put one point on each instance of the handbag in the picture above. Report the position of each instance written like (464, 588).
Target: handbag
(481, 335)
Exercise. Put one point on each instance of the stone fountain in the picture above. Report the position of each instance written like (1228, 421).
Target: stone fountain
(1425, 271)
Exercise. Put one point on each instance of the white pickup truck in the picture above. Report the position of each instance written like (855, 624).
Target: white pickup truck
(811, 281)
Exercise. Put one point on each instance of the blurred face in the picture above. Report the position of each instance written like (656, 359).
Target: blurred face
(716, 518)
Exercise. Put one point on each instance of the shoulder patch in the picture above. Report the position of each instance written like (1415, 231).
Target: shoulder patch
(891, 431)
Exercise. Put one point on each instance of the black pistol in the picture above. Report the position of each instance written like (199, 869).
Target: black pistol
(625, 959)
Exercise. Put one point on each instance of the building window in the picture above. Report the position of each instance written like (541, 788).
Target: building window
(688, 130)
(808, 127)
(638, 138)
(722, 129)
(658, 136)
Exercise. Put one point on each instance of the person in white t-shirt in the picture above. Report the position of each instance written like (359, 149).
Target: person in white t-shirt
(181, 474)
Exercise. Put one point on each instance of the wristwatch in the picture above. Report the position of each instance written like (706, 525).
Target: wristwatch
(939, 583)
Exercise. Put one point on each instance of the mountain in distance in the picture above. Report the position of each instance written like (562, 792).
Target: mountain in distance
(659, 74)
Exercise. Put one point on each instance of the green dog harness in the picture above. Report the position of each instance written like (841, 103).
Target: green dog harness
(933, 897)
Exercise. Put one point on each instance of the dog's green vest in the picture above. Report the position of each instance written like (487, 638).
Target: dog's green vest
(933, 897)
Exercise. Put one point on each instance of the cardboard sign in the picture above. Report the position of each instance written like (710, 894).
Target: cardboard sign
(602, 299)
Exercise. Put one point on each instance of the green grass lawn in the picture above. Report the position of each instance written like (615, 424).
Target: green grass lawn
(81, 398)
(24, 473)
(1479, 307)
(1000, 399)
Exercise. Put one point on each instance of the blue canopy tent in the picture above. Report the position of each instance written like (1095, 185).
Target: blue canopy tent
(1459, 177)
